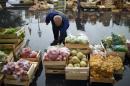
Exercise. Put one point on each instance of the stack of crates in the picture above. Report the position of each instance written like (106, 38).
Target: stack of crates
(60, 5)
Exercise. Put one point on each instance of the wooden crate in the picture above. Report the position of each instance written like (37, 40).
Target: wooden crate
(9, 41)
(12, 36)
(82, 47)
(19, 47)
(54, 67)
(79, 73)
(10, 46)
(10, 57)
(37, 59)
(103, 80)
(79, 46)
(122, 55)
(9, 79)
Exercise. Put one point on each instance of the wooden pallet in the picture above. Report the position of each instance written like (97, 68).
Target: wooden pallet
(79, 73)
(54, 67)
(103, 80)
(10, 80)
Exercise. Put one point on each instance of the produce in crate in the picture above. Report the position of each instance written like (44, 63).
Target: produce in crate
(99, 68)
(104, 67)
(115, 42)
(80, 39)
(18, 69)
(28, 53)
(72, 4)
(77, 59)
(120, 48)
(55, 53)
(40, 5)
(9, 31)
(116, 60)
(118, 39)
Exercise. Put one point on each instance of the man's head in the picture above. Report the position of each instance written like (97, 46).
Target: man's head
(57, 20)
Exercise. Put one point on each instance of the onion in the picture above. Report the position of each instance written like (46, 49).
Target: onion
(56, 53)
(33, 54)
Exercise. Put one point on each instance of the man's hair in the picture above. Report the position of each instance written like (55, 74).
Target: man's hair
(57, 17)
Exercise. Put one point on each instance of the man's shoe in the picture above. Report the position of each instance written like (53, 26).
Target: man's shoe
(55, 42)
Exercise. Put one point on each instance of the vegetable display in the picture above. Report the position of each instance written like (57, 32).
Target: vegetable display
(28, 53)
(121, 48)
(77, 59)
(18, 69)
(56, 54)
(118, 39)
(72, 4)
(40, 5)
(81, 39)
(9, 31)
(116, 61)
(101, 67)
(115, 42)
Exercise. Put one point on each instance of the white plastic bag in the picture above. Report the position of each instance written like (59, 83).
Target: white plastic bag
(13, 1)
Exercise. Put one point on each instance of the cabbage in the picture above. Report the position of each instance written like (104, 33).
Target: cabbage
(75, 59)
(74, 52)
(77, 65)
(70, 65)
(81, 39)
(83, 64)
(80, 55)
